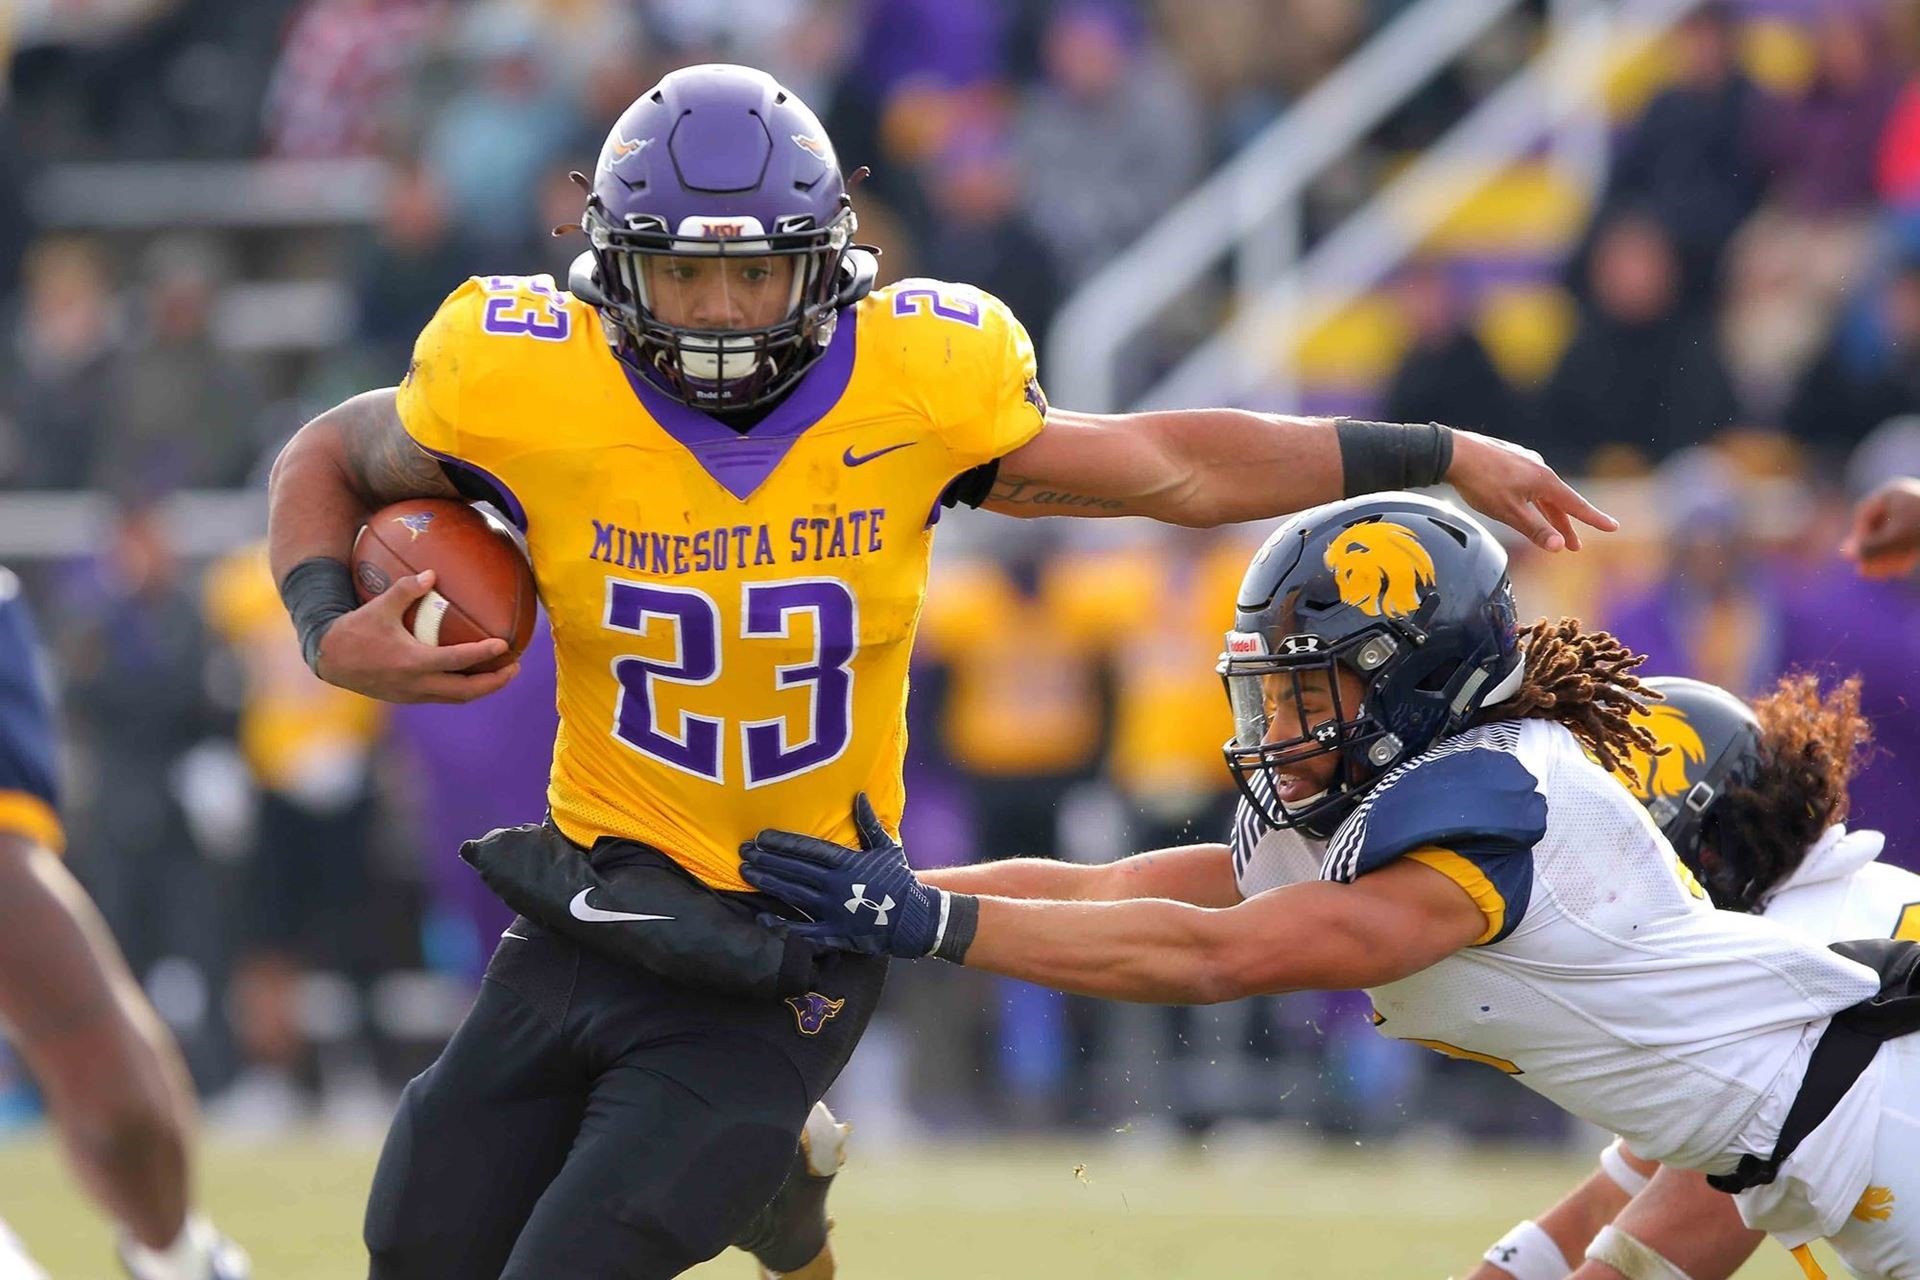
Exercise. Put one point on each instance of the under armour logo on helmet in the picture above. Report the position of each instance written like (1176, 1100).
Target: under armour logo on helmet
(860, 899)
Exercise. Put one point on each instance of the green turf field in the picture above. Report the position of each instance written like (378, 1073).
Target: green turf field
(980, 1213)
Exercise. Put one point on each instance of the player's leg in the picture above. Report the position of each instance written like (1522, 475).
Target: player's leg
(693, 1124)
(112, 1076)
(480, 1134)
(788, 1238)
(677, 1152)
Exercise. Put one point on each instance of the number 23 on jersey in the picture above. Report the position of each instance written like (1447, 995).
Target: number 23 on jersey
(773, 750)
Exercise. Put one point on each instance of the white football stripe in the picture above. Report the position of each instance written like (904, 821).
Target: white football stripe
(432, 611)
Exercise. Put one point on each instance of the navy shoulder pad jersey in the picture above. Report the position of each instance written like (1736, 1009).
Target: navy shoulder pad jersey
(28, 800)
(1469, 808)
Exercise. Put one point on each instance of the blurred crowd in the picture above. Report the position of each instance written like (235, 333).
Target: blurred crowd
(1751, 265)
(277, 857)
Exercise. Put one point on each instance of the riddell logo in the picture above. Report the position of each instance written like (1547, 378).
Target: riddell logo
(743, 227)
(1244, 642)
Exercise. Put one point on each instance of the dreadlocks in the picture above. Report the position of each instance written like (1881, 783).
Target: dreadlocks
(1585, 681)
(1810, 747)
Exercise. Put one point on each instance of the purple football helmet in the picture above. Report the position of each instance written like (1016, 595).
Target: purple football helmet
(720, 161)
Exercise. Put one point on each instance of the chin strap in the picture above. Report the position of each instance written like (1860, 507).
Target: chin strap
(859, 268)
(1508, 686)
(583, 283)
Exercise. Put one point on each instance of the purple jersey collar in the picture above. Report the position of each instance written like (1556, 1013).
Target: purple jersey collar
(741, 462)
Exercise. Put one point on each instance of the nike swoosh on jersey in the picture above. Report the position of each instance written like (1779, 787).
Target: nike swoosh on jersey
(853, 459)
(579, 909)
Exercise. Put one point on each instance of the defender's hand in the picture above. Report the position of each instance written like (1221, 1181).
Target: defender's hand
(1885, 539)
(370, 652)
(1514, 486)
(864, 899)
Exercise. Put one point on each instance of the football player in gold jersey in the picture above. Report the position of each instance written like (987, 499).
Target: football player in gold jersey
(727, 450)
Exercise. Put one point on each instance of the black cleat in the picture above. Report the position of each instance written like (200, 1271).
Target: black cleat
(789, 1237)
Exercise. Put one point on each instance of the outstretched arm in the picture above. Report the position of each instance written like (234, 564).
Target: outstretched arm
(1317, 936)
(1203, 467)
(1384, 926)
(1198, 874)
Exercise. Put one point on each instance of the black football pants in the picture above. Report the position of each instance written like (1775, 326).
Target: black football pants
(592, 1121)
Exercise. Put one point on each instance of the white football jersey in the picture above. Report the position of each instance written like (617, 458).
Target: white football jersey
(1606, 981)
(1840, 892)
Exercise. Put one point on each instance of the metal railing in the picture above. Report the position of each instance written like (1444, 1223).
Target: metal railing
(1251, 356)
(1249, 210)
(56, 525)
(210, 193)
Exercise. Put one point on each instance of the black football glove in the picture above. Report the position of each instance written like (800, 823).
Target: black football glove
(866, 899)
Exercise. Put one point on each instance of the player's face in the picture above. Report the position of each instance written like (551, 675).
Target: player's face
(1296, 704)
(719, 292)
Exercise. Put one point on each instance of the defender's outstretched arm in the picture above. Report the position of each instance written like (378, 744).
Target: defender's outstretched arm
(1198, 874)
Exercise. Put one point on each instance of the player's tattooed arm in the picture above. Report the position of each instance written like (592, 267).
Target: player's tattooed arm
(379, 457)
(351, 460)
(1164, 465)
(336, 471)
(1204, 467)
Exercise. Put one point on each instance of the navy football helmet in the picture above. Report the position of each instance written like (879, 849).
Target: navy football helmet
(1408, 594)
(719, 162)
(1712, 742)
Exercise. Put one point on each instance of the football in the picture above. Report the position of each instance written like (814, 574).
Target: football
(483, 583)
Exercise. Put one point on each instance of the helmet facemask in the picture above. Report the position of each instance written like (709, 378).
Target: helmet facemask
(651, 282)
(1290, 709)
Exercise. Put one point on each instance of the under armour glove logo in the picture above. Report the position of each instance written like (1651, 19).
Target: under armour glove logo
(860, 899)
(836, 887)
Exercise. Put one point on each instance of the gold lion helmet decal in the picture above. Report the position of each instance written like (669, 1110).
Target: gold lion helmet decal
(1380, 568)
(1665, 776)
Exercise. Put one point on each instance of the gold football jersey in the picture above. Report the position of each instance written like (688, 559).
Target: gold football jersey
(732, 612)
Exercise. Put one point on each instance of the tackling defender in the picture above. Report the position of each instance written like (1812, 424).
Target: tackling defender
(1753, 801)
(112, 1076)
(727, 450)
(1428, 814)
